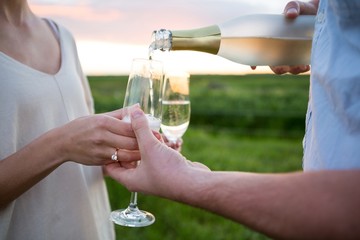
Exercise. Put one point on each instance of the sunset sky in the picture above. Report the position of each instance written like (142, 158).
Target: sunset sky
(109, 33)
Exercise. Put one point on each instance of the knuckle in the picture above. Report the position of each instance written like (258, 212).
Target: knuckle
(293, 4)
(98, 138)
(101, 121)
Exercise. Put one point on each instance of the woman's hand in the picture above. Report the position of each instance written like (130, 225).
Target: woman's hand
(92, 140)
(176, 146)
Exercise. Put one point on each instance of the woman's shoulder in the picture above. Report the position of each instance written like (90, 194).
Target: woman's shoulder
(58, 29)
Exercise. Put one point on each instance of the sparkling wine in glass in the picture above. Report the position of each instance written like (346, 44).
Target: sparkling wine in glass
(175, 105)
(145, 88)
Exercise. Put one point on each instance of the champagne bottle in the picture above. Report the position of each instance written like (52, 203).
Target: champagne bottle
(255, 40)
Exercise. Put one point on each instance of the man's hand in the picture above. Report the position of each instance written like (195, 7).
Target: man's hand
(292, 10)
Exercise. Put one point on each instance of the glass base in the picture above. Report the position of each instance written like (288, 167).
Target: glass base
(132, 217)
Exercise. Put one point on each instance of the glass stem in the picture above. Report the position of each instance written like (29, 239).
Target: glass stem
(133, 200)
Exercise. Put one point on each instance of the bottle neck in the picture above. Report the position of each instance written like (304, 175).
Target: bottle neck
(205, 39)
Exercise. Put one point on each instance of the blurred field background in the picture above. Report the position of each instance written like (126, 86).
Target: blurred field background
(238, 123)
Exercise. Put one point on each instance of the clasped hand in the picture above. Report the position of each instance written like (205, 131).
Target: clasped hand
(92, 140)
(161, 166)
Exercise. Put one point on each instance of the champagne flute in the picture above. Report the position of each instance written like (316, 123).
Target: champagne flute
(175, 105)
(145, 88)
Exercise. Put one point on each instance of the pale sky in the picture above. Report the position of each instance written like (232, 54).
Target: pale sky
(110, 33)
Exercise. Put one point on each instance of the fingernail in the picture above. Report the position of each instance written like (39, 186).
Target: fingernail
(291, 11)
(136, 105)
(136, 114)
(157, 135)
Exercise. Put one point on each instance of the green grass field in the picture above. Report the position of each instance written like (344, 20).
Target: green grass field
(238, 123)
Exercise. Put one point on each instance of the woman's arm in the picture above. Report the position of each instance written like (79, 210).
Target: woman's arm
(88, 140)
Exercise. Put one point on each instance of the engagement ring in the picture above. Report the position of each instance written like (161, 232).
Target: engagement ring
(114, 157)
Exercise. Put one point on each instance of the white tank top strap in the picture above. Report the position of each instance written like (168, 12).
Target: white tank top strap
(54, 27)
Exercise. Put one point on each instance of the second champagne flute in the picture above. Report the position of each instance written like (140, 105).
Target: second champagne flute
(145, 88)
(175, 105)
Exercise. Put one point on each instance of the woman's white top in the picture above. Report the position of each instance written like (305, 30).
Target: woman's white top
(72, 202)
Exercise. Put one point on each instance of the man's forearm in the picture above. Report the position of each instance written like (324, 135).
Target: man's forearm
(279, 205)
